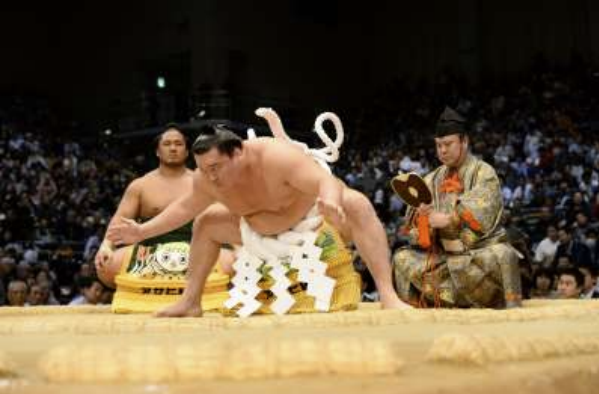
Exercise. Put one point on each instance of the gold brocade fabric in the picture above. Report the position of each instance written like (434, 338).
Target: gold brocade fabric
(466, 267)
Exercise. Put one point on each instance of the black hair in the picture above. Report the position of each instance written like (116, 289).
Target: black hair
(219, 137)
(574, 272)
(544, 272)
(567, 229)
(171, 126)
(593, 271)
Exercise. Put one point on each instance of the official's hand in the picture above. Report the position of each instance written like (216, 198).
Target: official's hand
(424, 209)
(439, 219)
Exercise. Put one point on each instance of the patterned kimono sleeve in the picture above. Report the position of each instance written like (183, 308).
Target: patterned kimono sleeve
(411, 229)
(479, 207)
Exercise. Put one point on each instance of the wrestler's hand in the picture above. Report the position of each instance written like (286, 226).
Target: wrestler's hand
(439, 219)
(124, 232)
(332, 212)
(103, 256)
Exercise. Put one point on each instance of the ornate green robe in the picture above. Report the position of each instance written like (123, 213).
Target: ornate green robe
(470, 263)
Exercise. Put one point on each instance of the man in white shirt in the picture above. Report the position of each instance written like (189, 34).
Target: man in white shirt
(545, 251)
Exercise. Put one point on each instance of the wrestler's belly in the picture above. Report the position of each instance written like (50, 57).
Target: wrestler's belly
(272, 223)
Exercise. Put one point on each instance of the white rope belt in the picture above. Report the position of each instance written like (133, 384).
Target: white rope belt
(294, 249)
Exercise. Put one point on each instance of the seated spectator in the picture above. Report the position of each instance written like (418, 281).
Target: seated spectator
(543, 284)
(17, 293)
(590, 288)
(580, 227)
(35, 296)
(24, 272)
(65, 293)
(591, 242)
(570, 283)
(90, 291)
(577, 252)
(7, 266)
(563, 262)
(48, 297)
(545, 251)
(43, 276)
(579, 205)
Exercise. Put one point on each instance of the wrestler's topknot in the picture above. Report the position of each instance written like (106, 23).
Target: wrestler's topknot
(218, 137)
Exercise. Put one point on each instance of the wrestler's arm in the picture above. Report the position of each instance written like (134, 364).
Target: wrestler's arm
(181, 211)
(301, 172)
(176, 214)
(128, 208)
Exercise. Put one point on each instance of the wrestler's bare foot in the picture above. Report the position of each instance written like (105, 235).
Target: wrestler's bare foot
(182, 308)
(393, 302)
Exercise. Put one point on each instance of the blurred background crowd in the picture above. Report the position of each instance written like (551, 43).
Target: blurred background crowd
(58, 190)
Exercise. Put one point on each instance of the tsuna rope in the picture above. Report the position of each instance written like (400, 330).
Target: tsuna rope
(328, 154)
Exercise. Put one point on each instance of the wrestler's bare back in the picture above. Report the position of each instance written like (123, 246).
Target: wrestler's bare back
(261, 193)
(156, 191)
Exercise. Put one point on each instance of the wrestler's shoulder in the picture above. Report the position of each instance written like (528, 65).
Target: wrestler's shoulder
(261, 142)
(136, 185)
(266, 149)
(145, 178)
(273, 147)
(155, 175)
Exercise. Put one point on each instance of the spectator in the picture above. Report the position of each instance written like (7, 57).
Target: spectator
(90, 291)
(47, 296)
(577, 253)
(570, 283)
(543, 280)
(35, 296)
(545, 250)
(17, 293)
(590, 289)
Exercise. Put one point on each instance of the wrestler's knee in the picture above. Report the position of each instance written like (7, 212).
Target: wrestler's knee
(213, 215)
(108, 271)
(356, 204)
